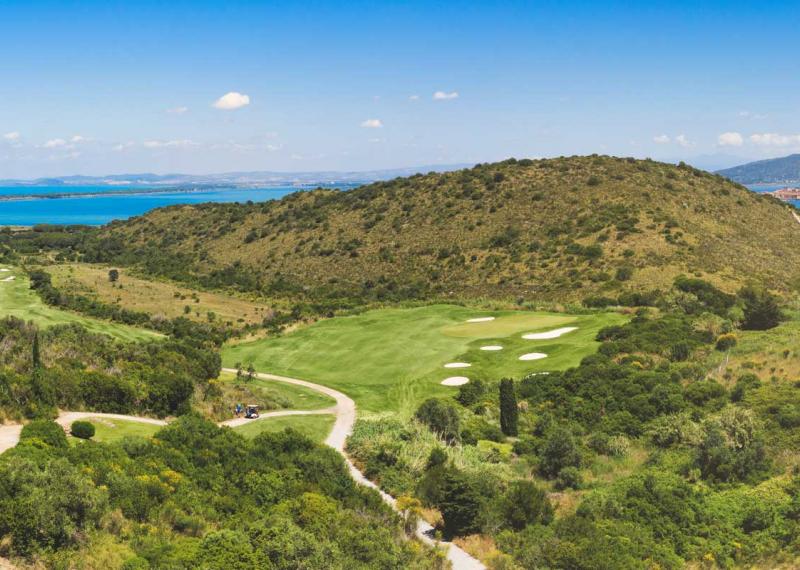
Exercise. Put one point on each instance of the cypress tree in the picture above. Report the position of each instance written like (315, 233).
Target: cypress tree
(35, 357)
(509, 414)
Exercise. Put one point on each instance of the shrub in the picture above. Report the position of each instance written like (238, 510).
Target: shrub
(82, 429)
(726, 342)
(47, 431)
(568, 478)
(524, 503)
(559, 451)
(761, 310)
(441, 416)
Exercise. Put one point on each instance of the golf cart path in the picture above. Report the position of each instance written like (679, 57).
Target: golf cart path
(345, 412)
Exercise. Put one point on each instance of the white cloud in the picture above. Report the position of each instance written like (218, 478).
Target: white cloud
(123, 146)
(55, 143)
(372, 124)
(751, 115)
(443, 96)
(661, 139)
(775, 139)
(413, 97)
(376, 141)
(78, 139)
(232, 100)
(178, 110)
(274, 147)
(730, 139)
(683, 141)
(182, 143)
(12, 136)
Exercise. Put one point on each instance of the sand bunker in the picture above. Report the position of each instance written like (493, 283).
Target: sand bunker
(492, 347)
(533, 356)
(457, 365)
(549, 334)
(480, 319)
(4, 269)
(8, 278)
(455, 381)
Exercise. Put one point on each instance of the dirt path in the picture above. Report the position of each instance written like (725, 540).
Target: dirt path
(796, 217)
(345, 412)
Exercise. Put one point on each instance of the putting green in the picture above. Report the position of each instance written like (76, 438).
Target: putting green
(17, 300)
(392, 359)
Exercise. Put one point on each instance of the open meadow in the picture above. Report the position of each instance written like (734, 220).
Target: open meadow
(153, 296)
(392, 359)
(17, 300)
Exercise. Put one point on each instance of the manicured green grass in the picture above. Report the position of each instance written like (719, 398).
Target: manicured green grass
(296, 397)
(392, 359)
(316, 427)
(108, 431)
(16, 299)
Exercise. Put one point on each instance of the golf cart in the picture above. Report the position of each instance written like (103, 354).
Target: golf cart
(251, 412)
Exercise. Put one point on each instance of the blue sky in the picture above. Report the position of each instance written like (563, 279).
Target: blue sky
(111, 87)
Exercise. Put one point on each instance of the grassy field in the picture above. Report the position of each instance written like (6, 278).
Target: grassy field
(113, 430)
(16, 299)
(391, 359)
(154, 297)
(316, 427)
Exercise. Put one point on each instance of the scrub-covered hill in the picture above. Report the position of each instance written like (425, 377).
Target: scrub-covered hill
(565, 229)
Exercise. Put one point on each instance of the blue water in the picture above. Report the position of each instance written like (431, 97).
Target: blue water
(770, 187)
(96, 209)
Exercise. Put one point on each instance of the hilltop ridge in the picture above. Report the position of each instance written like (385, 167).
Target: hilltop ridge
(557, 229)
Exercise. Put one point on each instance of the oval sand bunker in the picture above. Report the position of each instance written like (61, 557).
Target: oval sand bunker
(533, 356)
(480, 319)
(457, 365)
(455, 381)
(492, 347)
(549, 334)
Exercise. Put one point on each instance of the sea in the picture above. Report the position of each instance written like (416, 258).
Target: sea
(97, 205)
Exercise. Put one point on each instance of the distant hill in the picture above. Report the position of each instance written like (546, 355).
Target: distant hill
(558, 229)
(251, 179)
(773, 170)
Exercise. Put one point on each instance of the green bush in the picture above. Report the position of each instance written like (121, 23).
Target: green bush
(82, 429)
(568, 478)
(47, 431)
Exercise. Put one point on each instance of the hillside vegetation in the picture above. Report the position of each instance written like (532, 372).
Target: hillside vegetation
(784, 169)
(564, 228)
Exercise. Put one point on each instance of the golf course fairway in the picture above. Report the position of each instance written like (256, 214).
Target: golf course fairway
(389, 360)
(17, 300)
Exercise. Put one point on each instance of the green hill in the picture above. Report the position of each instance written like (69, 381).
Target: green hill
(553, 229)
(784, 169)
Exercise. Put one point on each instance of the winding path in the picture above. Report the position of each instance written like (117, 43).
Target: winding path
(345, 412)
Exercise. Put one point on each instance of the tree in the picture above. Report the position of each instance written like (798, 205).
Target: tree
(559, 451)
(251, 372)
(441, 416)
(113, 275)
(509, 414)
(36, 358)
(524, 503)
(461, 504)
(761, 310)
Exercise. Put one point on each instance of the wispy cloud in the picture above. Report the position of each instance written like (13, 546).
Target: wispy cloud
(182, 143)
(178, 110)
(231, 101)
(55, 143)
(775, 139)
(13, 136)
(661, 139)
(683, 141)
(444, 96)
(413, 97)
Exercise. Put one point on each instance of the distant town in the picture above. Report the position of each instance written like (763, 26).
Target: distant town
(786, 193)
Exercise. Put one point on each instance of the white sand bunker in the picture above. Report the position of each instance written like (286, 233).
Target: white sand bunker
(492, 347)
(455, 381)
(549, 334)
(533, 356)
(8, 278)
(480, 319)
(4, 269)
(457, 365)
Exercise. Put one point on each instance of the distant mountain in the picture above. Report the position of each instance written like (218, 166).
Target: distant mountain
(773, 170)
(239, 179)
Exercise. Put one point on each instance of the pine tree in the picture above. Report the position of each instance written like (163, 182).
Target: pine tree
(509, 414)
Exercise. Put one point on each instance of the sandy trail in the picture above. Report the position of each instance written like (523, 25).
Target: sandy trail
(796, 217)
(345, 411)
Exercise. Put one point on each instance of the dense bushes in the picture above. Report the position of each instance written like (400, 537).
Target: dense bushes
(82, 429)
(197, 497)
